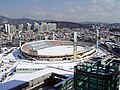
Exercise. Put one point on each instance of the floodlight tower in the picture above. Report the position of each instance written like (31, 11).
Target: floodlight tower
(75, 46)
(19, 36)
(53, 35)
(97, 38)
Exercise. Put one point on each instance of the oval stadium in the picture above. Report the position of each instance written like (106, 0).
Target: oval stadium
(54, 50)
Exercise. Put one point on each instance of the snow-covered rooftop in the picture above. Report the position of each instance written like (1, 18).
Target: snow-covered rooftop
(20, 79)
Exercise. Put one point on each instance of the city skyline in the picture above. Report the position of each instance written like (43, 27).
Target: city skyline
(66, 10)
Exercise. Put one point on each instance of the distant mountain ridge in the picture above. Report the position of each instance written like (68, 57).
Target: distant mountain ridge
(3, 17)
(88, 22)
(60, 24)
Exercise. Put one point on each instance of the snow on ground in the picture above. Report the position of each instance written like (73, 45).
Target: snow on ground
(100, 53)
(66, 65)
(12, 55)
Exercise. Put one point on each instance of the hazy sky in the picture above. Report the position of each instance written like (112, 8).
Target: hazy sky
(69, 10)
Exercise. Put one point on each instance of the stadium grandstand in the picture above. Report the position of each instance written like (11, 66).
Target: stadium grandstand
(54, 50)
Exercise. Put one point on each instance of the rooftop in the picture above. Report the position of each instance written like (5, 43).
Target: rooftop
(21, 79)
